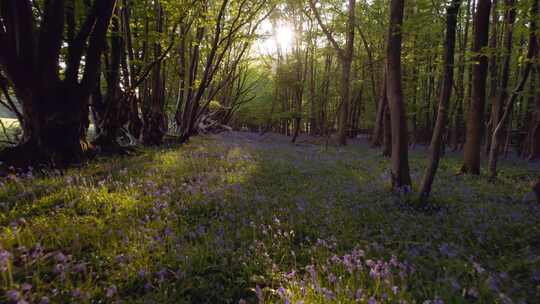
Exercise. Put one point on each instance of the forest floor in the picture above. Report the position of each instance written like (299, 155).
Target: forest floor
(236, 218)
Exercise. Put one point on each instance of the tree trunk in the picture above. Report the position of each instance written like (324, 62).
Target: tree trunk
(401, 178)
(346, 62)
(475, 119)
(154, 120)
(446, 92)
(535, 129)
(498, 102)
(378, 131)
(387, 130)
(55, 111)
(55, 120)
(458, 115)
(346, 58)
(493, 73)
(109, 119)
(532, 54)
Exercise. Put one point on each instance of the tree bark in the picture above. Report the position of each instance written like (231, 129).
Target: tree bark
(109, 114)
(401, 178)
(346, 57)
(458, 115)
(56, 111)
(154, 119)
(532, 54)
(446, 93)
(493, 72)
(475, 119)
(378, 131)
(534, 136)
(498, 102)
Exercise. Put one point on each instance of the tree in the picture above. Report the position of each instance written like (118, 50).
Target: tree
(154, 117)
(493, 69)
(502, 87)
(532, 54)
(444, 100)
(400, 159)
(346, 57)
(107, 112)
(55, 109)
(475, 119)
(229, 24)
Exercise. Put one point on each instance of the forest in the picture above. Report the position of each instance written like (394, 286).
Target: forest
(269, 151)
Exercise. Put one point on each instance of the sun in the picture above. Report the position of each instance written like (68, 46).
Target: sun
(275, 36)
(285, 36)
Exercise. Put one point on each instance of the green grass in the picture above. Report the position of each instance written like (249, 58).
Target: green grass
(227, 219)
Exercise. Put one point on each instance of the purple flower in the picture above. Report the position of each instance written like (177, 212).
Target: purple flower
(76, 293)
(478, 268)
(372, 301)
(161, 275)
(26, 287)
(374, 273)
(59, 268)
(13, 295)
(78, 268)
(535, 275)
(60, 257)
(493, 283)
(259, 293)
(348, 262)
(5, 256)
(291, 275)
(358, 294)
(472, 292)
(168, 232)
(332, 278)
(394, 261)
(44, 300)
(111, 291)
(141, 273)
(505, 299)
(447, 250)
(328, 294)
(311, 270)
(281, 291)
(37, 251)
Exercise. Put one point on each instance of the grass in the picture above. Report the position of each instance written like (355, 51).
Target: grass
(233, 219)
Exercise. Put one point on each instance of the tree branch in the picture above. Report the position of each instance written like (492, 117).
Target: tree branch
(339, 50)
(50, 41)
(104, 11)
(76, 47)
